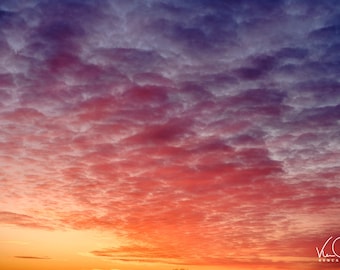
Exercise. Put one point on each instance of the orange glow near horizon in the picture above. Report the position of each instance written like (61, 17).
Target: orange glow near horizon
(70, 249)
(45, 249)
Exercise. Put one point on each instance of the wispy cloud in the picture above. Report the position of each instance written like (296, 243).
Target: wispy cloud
(23, 220)
(32, 257)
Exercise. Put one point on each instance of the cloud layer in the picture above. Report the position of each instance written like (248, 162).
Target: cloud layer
(199, 131)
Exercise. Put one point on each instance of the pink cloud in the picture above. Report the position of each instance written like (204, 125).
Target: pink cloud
(24, 220)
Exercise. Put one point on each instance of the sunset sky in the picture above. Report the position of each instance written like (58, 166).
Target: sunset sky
(169, 134)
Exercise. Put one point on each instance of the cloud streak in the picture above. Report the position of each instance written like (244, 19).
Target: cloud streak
(32, 257)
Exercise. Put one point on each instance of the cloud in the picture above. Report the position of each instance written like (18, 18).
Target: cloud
(23, 220)
(190, 128)
(32, 257)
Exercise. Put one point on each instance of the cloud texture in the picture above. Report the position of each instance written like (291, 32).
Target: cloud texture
(201, 132)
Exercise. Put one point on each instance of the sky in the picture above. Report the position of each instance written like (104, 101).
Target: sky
(169, 134)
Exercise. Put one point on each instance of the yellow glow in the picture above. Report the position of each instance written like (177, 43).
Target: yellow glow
(23, 248)
(33, 249)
